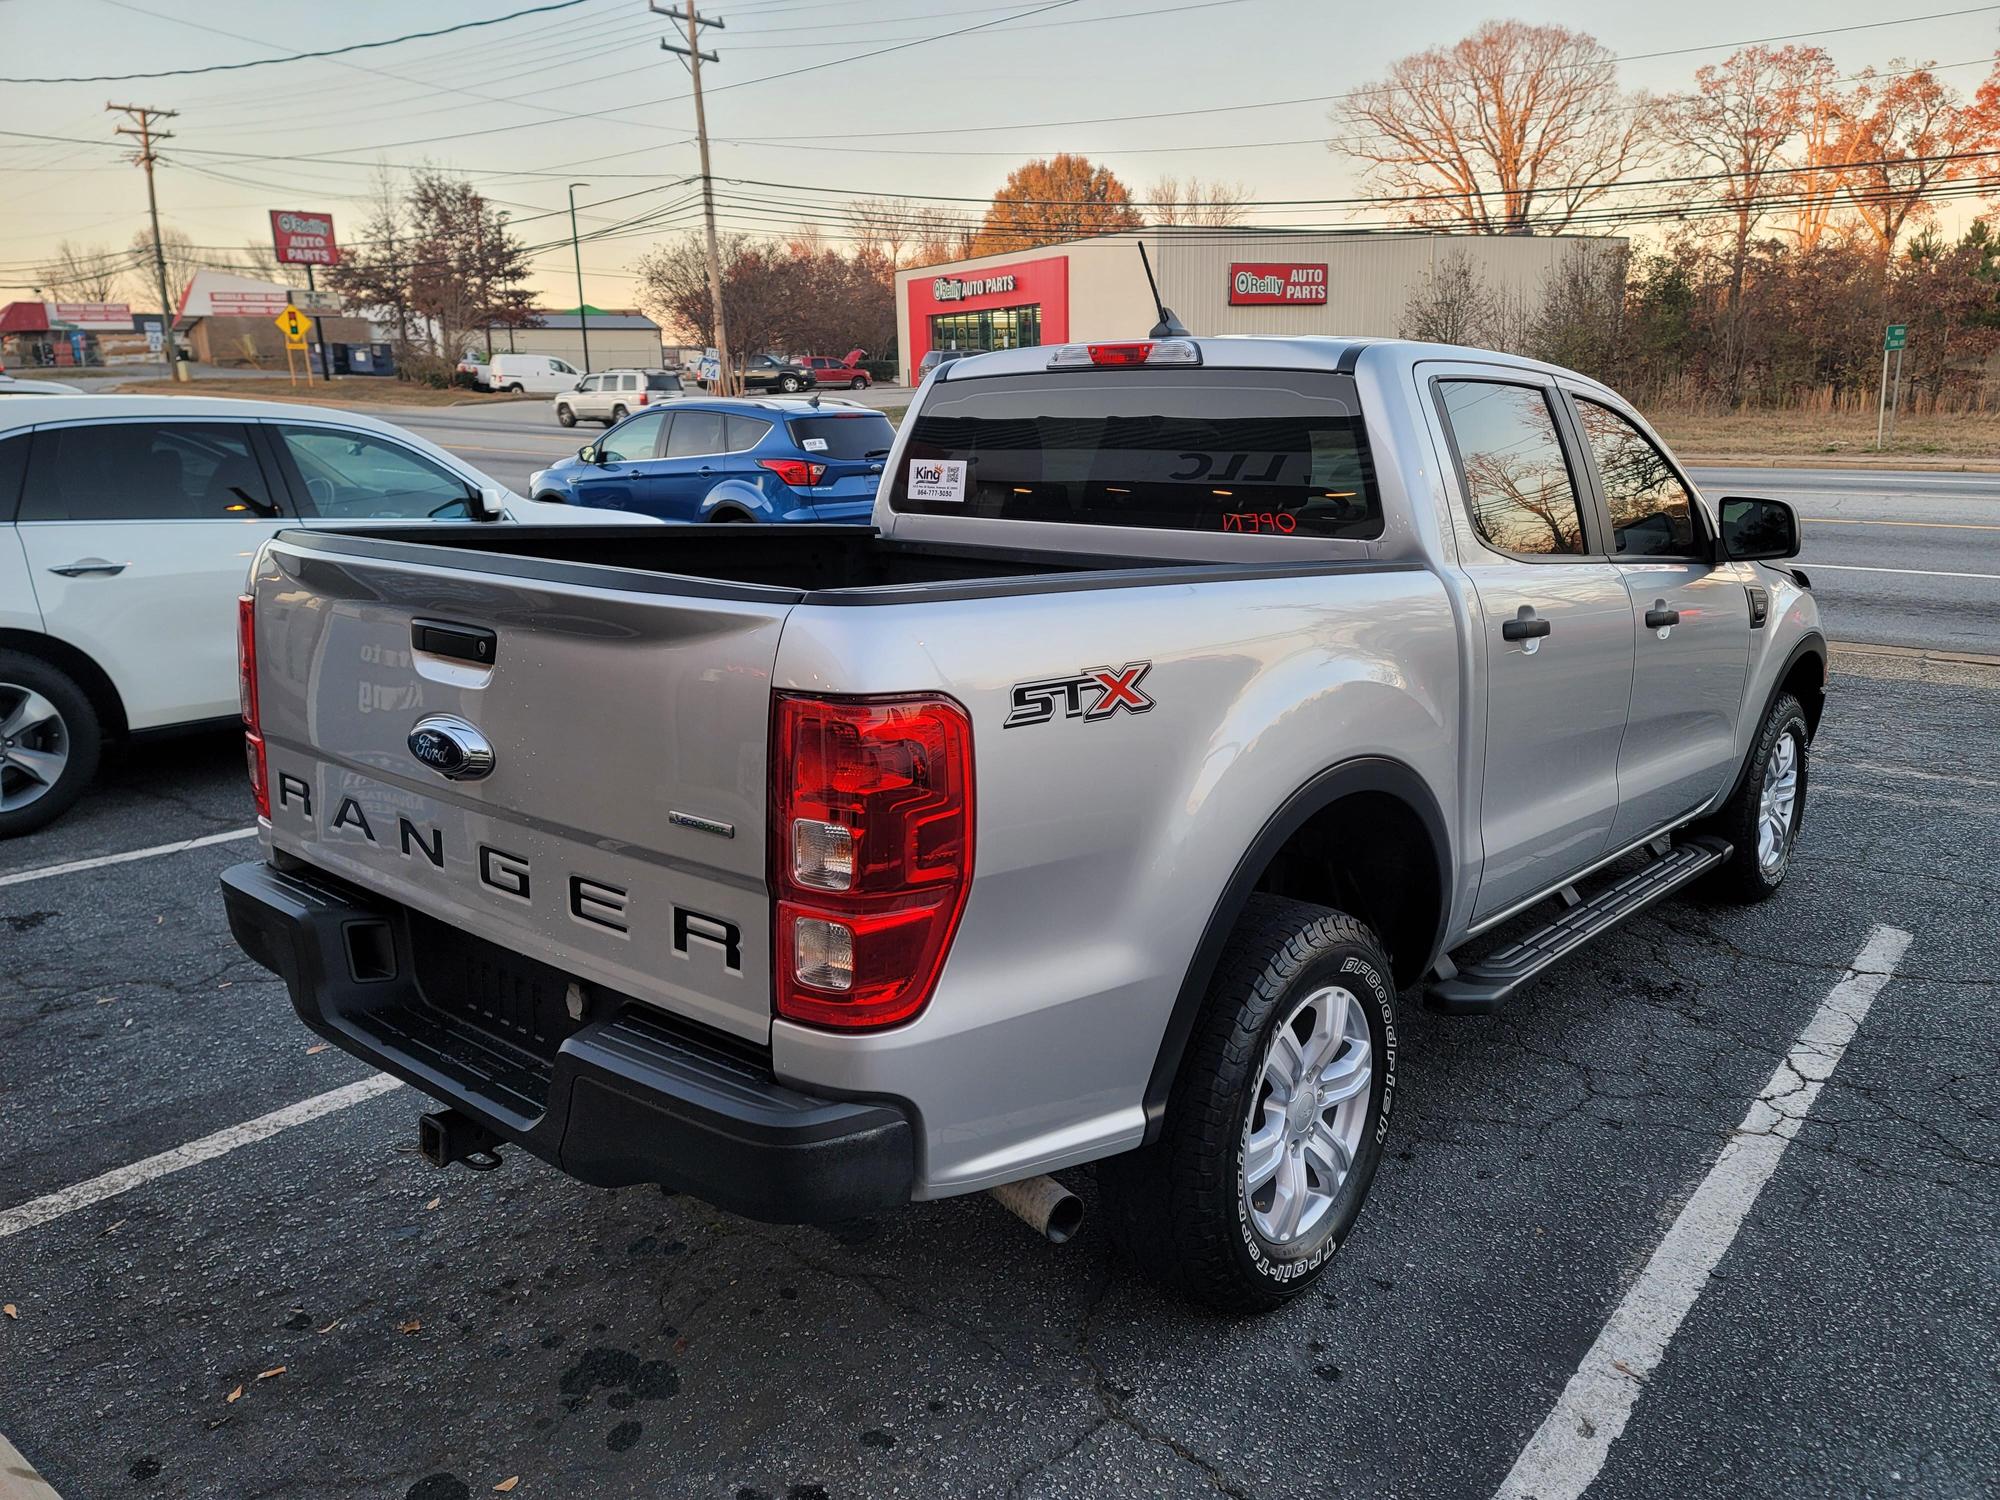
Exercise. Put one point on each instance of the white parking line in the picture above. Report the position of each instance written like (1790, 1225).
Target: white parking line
(38, 1211)
(1570, 1447)
(48, 872)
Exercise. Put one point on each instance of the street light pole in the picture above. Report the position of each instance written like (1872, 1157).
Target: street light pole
(576, 249)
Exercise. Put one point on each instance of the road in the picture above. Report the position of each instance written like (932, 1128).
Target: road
(311, 1313)
(1897, 559)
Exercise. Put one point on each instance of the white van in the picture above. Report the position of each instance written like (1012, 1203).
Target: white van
(537, 373)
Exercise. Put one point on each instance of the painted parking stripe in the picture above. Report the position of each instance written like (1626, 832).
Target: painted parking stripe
(49, 872)
(39, 1211)
(1570, 1447)
(18, 1479)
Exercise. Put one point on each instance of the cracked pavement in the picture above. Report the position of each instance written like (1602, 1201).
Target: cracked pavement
(638, 1344)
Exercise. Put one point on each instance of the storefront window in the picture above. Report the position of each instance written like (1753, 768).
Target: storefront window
(993, 328)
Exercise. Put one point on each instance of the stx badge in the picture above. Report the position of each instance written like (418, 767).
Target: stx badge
(1092, 694)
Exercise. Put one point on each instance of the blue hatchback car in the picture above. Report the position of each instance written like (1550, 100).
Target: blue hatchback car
(731, 460)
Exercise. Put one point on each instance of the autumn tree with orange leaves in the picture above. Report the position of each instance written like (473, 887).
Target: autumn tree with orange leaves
(1515, 129)
(1907, 135)
(1062, 198)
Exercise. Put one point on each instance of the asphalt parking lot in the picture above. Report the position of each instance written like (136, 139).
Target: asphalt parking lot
(308, 1310)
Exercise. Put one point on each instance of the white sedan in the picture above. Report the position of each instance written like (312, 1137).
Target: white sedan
(127, 524)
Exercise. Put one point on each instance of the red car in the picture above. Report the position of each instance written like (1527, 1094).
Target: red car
(836, 373)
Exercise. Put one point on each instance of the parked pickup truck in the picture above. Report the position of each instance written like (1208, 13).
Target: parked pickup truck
(1188, 701)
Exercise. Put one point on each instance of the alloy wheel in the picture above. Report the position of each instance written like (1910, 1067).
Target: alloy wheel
(1307, 1114)
(34, 746)
(1777, 803)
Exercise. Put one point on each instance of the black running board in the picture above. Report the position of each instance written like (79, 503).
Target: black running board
(1481, 987)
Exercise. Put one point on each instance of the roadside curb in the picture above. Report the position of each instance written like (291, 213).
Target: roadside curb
(1912, 463)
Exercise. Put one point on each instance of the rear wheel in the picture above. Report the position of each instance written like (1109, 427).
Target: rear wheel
(565, 416)
(514, 389)
(49, 743)
(1762, 820)
(1275, 1122)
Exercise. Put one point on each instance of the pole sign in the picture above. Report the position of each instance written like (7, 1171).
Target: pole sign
(303, 239)
(293, 324)
(1263, 284)
(1897, 337)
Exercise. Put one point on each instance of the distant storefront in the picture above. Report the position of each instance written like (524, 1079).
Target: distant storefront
(67, 335)
(1217, 281)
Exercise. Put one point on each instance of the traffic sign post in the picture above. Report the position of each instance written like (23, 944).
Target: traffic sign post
(293, 324)
(1893, 340)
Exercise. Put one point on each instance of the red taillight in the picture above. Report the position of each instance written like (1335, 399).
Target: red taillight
(645, 398)
(797, 472)
(871, 853)
(1120, 354)
(246, 698)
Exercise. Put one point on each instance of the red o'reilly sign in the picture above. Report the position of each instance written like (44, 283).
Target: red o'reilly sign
(303, 239)
(1286, 284)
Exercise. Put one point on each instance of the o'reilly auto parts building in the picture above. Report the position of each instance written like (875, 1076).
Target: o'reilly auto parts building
(1216, 281)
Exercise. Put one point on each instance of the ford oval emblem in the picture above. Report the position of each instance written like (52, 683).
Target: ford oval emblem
(451, 747)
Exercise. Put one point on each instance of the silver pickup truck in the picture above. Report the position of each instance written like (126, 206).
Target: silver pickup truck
(1188, 701)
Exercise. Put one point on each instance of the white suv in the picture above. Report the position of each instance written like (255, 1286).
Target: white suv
(612, 396)
(127, 524)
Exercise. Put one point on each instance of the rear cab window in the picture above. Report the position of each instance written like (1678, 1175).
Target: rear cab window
(1276, 452)
(862, 435)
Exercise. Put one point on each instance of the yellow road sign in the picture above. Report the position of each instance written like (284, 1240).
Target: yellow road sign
(293, 322)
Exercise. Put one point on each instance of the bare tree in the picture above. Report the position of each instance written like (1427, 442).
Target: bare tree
(1209, 205)
(84, 274)
(260, 258)
(883, 225)
(1512, 130)
(938, 233)
(183, 260)
(1732, 131)
(1451, 305)
(1906, 137)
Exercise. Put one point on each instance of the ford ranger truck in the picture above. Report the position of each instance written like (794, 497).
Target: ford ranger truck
(1188, 700)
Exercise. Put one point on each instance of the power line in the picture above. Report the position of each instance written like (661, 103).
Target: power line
(264, 62)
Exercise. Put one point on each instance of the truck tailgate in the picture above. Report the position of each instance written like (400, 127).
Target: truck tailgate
(619, 835)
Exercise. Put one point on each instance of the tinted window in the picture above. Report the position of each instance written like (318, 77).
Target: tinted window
(746, 432)
(13, 466)
(144, 471)
(1516, 479)
(636, 439)
(662, 382)
(844, 437)
(695, 433)
(1652, 513)
(1195, 450)
(358, 476)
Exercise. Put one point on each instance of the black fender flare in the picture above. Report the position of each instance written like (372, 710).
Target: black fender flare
(1367, 773)
(1812, 643)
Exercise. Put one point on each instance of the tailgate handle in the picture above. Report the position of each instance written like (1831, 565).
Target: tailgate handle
(460, 642)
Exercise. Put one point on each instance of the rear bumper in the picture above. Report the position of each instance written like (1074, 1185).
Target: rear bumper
(625, 1096)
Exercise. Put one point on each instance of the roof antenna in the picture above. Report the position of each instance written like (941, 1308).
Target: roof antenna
(1169, 326)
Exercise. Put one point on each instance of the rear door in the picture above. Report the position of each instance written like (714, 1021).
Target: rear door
(1690, 620)
(853, 446)
(138, 536)
(1555, 624)
(619, 835)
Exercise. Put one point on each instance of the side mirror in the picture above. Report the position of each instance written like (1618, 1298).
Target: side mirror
(588, 453)
(1759, 530)
(486, 502)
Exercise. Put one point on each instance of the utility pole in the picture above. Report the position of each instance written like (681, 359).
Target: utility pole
(582, 317)
(142, 130)
(725, 371)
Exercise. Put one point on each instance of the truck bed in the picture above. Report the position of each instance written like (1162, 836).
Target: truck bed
(788, 564)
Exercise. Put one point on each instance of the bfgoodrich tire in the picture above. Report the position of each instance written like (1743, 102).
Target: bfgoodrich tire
(1275, 1122)
(50, 741)
(1763, 818)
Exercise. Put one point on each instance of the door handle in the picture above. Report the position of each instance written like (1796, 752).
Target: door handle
(1659, 616)
(84, 567)
(1524, 627)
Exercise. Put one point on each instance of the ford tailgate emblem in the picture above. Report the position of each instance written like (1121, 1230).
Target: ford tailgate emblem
(451, 747)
